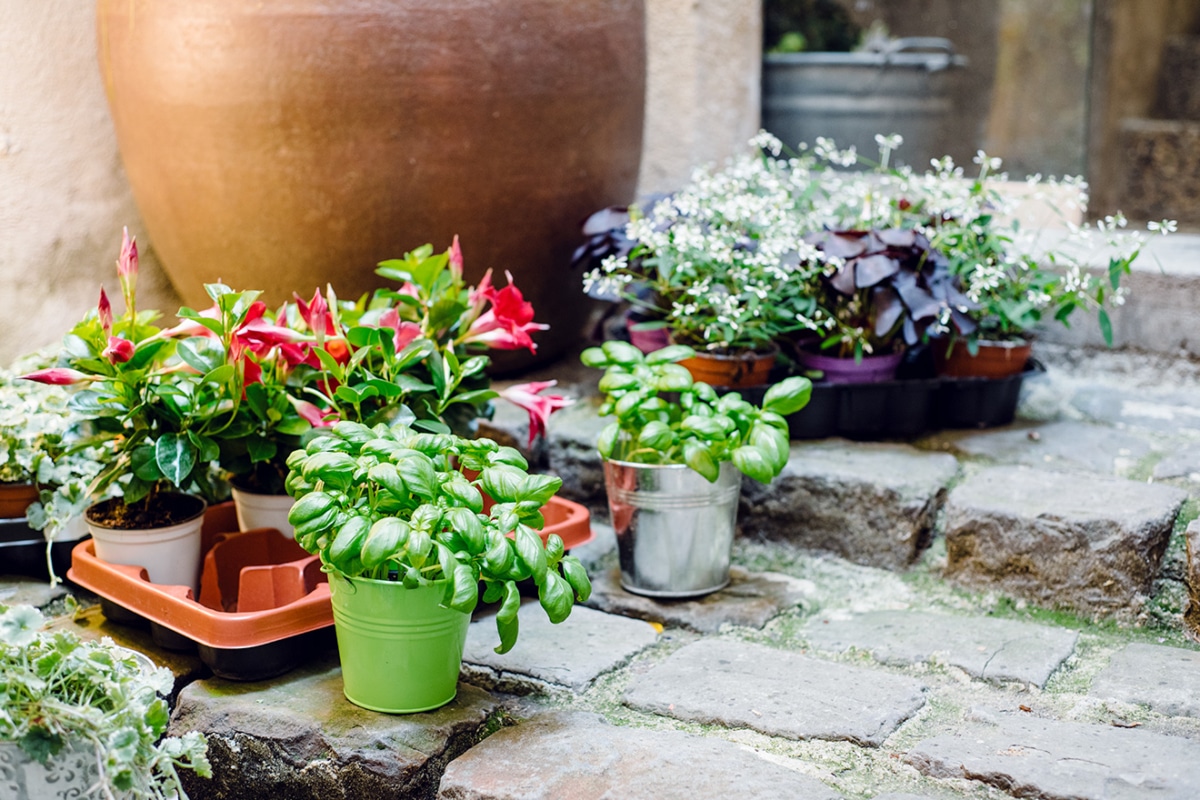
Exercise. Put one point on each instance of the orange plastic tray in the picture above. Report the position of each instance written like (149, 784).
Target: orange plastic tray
(257, 589)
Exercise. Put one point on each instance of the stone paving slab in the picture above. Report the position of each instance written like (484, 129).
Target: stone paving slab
(993, 649)
(572, 654)
(750, 600)
(16, 590)
(1093, 544)
(738, 684)
(1167, 679)
(1032, 757)
(870, 503)
(298, 737)
(1061, 446)
(1169, 412)
(577, 755)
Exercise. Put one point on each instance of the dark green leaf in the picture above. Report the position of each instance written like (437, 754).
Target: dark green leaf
(670, 354)
(531, 552)
(556, 597)
(754, 463)
(347, 544)
(506, 618)
(697, 456)
(788, 396)
(176, 457)
(577, 576)
(384, 541)
(537, 488)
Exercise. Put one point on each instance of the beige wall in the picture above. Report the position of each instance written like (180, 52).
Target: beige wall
(64, 196)
(702, 93)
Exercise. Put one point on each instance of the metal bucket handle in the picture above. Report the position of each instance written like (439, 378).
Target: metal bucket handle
(942, 56)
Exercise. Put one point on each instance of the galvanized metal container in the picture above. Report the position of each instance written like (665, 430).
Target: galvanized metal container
(674, 528)
(850, 97)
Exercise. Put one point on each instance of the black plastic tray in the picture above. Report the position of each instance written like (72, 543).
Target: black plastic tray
(902, 409)
(23, 551)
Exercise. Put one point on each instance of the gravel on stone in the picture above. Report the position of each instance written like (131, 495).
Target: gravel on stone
(989, 648)
(556, 756)
(870, 503)
(1029, 756)
(571, 654)
(750, 600)
(738, 684)
(1167, 679)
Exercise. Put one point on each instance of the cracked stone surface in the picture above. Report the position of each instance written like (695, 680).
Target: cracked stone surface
(750, 600)
(577, 755)
(1056, 539)
(742, 685)
(1032, 757)
(1167, 679)
(16, 590)
(297, 737)
(993, 649)
(1060, 446)
(870, 503)
(572, 654)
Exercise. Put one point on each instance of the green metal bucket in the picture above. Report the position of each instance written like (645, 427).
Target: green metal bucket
(400, 648)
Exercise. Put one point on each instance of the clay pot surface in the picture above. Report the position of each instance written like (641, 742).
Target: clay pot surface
(994, 359)
(735, 372)
(284, 145)
(15, 498)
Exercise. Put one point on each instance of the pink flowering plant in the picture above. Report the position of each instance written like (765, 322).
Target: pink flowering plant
(156, 417)
(415, 355)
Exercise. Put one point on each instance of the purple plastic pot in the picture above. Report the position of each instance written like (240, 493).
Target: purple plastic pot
(871, 369)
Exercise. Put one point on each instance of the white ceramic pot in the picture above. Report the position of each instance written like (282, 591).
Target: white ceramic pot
(171, 555)
(263, 511)
(69, 773)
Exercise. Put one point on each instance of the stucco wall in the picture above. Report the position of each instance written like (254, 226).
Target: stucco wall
(64, 196)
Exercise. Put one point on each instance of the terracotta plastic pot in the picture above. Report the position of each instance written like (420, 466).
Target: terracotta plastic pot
(15, 498)
(283, 145)
(734, 372)
(994, 359)
(869, 369)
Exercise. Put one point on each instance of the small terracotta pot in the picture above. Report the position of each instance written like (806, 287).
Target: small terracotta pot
(733, 372)
(15, 498)
(994, 359)
(869, 369)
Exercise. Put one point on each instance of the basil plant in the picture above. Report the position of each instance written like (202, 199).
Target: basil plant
(393, 504)
(699, 428)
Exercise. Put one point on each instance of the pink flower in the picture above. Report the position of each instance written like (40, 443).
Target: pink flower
(104, 312)
(456, 260)
(118, 351)
(127, 267)
(405, 331)
(528, 396)
(508, 323)
(59, 376)
(313, 415)
(315, 314)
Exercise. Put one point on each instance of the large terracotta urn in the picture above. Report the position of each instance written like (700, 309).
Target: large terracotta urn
(293, 143)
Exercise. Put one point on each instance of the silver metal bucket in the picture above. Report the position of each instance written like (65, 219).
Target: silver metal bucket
(674, 528)
(850, 97)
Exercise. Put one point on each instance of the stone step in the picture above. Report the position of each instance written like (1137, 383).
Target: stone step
(297, 736)
(1087, 543)
(870, 503)
(1160, 165)
(1028, 756)
(570, 655)
(1179, 79)
(738, 684)
(992, 649)
(1165, 679)
(555, 756)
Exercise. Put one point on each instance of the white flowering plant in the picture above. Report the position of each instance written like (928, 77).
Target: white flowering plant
(861, 260)
(722, 264)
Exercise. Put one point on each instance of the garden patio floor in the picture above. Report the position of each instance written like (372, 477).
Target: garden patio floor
(869, 646)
